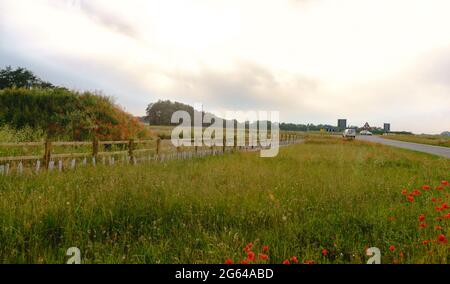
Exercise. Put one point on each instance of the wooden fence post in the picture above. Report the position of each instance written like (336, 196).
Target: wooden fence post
(158, 142)
(130, 148)
(47, 153)
(224, 144)
(95, 148)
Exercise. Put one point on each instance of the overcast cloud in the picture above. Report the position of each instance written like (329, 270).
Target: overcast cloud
(314, 60)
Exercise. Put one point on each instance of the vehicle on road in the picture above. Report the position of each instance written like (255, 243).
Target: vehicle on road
(349, 133)
(365, 132)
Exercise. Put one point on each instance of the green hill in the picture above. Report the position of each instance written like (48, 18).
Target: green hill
(64, 114)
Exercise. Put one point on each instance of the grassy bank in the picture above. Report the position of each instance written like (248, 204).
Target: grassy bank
(435, 140)
(341, 196)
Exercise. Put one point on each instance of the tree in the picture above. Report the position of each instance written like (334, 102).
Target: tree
(160, 113)
(21, 78)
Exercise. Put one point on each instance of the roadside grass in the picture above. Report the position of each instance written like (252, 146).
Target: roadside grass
(342, 196)
(435, 140)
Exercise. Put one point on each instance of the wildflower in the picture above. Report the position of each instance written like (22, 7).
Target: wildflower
(423, 225)
(425, 242)
(442, 238)
(286, 261)
(391, 248)
(294, 259)
(404, 191)
(308, 261)
(391, 218)
(229, 261)
(437, 227)
(421, 217)
(401, 254)
(324, 252)
(433, 199)
(444, 206)
(425, 187)
(438, 208)
(248, 247)
(263, 256)
(410, 198)
(444, 182)
(440, 187)
(447, 216)
(416, 192)
(251, 256)
(265, 248)
(245, 261)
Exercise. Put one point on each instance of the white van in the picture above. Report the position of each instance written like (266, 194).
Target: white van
(365, 132)
(349, 133)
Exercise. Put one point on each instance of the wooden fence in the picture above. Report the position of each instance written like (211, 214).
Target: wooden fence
(130, 150)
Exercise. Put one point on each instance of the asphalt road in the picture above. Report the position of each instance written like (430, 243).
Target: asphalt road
(430, 149)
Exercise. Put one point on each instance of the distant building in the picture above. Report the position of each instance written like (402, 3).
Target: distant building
(387, 127)
(342, 124)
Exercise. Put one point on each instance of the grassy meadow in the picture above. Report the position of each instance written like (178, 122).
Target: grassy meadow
(435, 140)
(324, 201)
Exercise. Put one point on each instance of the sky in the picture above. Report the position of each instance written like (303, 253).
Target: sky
(314, 61)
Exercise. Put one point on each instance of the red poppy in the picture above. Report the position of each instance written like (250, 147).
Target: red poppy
(263, 256)
(440, 187)
(324, 252)
(251, 256)
(391, 218)
(391, 248)
(245, 261)
(229, 261)
(404, 191)
(438, 208)
(447, 216)
(442, 238)
(421, 217)
(433, 199)
(286, 261)
(444, 182)
(294, 259)
(265, 248)
(444, 206)
(410, 198)
(248, 247)
(308, 261)
(416, 192)
(401, 254)
(425, 187)
(426, 242)
(437, 227)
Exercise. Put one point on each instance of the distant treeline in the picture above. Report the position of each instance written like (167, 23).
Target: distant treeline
(160, 113)
(28, 102)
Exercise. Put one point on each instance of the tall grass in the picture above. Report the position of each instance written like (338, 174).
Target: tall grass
(321, 194)
(26, 134)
